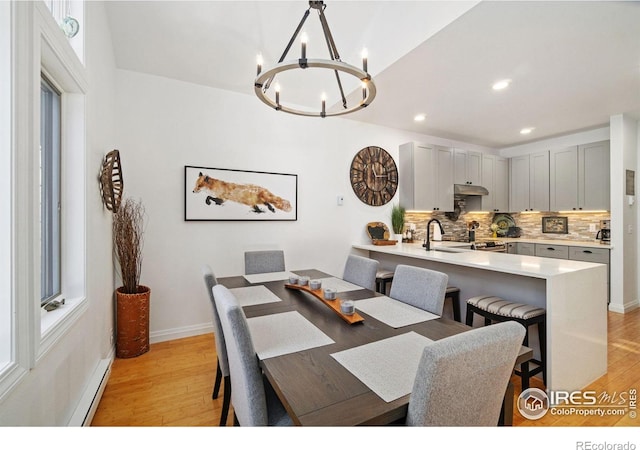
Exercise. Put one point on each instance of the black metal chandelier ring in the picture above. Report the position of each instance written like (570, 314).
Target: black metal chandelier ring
(368, 92)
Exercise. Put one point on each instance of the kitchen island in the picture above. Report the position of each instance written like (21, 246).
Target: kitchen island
(574, 294)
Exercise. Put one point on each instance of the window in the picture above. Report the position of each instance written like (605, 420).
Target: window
(50, 201)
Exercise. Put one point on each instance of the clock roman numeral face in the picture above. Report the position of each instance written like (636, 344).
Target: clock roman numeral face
(374, 176)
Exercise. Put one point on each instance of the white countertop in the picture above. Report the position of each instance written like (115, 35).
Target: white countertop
(453, 253)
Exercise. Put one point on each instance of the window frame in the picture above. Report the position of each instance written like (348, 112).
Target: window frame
(33, 43)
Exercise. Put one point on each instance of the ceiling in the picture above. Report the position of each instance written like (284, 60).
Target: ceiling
(571, 64)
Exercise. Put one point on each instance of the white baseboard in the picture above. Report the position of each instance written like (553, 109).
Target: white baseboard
(179, 333)
(625, 308)
(88, 404)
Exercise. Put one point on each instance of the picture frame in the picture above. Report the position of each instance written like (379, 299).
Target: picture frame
(213, 194)
(554, 224)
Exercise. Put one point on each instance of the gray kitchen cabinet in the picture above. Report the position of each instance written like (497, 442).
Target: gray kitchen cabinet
(552, 251)
(529, 182)
(512, 247)
(495, 177)
(426, 177)
(579, 177)
(467, 166)
(593, 176)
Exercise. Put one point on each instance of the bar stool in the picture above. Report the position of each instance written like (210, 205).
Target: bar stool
(383, 276)
(496, 309)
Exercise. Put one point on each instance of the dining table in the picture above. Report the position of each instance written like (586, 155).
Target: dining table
(329, 372)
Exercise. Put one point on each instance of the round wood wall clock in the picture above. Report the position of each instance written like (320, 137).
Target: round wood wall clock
(374, 176)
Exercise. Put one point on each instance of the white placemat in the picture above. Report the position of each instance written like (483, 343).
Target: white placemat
(254, 295)
(269, 276)
(388, 367)
(283, 333)
(394, 313)
(339, 285)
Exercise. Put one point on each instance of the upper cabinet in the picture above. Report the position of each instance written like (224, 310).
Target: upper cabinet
(495, 177)
(579, 177)
(426, 177)
(467, 167)
(529, 185)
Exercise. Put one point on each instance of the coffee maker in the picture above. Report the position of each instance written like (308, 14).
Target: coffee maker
(604, 233)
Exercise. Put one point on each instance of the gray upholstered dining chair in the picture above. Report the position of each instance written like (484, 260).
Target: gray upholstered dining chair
(263, 261)
(419, 287)
(462, 379)
(254, 400)
(222, 369)
(361, 271)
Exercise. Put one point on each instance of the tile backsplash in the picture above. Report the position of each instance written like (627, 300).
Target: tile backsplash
(530, 224)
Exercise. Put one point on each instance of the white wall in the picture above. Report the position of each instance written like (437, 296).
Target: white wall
(164, 125)
(50, 392)
(624, 217)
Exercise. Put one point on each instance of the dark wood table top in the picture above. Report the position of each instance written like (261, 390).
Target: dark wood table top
(316, 389)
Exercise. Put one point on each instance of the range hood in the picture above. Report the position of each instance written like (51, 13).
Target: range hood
(469, 189)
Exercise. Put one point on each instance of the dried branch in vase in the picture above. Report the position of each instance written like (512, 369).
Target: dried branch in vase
(128, 230)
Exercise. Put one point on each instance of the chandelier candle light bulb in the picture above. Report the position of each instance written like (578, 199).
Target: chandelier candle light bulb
(365, 54)
(324, 104)
(303, 40)
(277, 89)
(259, 61)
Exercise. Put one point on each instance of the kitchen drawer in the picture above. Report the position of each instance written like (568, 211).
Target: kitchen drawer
(552, 251)
(525, 248)
(589, 254)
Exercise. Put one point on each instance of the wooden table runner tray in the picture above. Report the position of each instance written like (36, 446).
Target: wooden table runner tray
(334, 305)
(384, 242)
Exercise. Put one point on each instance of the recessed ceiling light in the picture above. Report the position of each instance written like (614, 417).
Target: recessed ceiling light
(526, 130)
(500, 85)
(419, 117)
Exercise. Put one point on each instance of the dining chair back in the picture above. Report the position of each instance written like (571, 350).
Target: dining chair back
(462, 379)
(263, 261)
(361, 271)
(419, 287)
(253, 399)
(222, 369)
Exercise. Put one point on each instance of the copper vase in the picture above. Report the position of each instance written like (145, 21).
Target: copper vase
(132, 322)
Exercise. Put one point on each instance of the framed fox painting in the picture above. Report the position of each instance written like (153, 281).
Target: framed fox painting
(227, 194)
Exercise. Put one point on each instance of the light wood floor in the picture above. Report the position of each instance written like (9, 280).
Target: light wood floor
(171, 384)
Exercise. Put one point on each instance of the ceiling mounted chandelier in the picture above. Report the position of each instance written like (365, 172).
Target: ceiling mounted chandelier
(264, 79)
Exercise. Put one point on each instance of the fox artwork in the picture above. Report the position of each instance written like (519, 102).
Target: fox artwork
(248, 194)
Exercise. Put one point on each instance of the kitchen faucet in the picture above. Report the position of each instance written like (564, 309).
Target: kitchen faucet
(427, 243)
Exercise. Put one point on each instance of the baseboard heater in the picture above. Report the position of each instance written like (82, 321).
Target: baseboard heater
(83, 414)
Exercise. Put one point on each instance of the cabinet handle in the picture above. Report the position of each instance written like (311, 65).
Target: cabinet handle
(587, 251)
(551, 249)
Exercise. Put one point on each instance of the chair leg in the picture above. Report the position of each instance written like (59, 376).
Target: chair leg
(235, 420)
(216, 385)
(542, 337)
(226, 401)
(469, 320)
(455, 302)
(524, 375)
